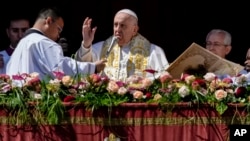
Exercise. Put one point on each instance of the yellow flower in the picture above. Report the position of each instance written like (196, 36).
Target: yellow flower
(157, 97)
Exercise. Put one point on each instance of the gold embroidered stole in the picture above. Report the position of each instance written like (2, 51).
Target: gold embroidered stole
(137, 58)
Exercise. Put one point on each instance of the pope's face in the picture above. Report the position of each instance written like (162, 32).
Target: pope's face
(125, 27)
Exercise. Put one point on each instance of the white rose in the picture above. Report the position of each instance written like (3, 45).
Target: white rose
(122, 91)
(209, 76)
(183, 91)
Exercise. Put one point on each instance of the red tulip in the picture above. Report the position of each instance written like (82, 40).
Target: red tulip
(240, 91)
(148, 95)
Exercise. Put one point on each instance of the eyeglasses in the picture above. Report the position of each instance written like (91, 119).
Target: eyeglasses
(216, 44)
(59, 28)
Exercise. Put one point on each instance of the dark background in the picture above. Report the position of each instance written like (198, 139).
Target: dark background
(173, 25)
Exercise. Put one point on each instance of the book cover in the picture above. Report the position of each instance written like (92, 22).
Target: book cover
(195, 56)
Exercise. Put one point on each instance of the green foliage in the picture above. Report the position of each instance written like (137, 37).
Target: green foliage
(221, 107)
(96, 100)
(52, 109)
(16, 106)
(40, 102)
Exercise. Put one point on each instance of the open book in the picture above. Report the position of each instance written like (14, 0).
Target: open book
(196, 55)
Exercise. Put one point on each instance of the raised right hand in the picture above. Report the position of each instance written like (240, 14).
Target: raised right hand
(88, 33)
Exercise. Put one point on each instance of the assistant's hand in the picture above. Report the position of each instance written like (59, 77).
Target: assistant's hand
(88, 33)
(100, 65)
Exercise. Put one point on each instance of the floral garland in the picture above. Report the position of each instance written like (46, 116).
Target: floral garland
(95, 91)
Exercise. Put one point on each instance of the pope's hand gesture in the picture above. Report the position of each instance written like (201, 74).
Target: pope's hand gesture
(88, 33)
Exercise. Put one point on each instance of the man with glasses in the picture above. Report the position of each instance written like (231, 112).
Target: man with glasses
(39, 52)
(15, 30)
(218, 41)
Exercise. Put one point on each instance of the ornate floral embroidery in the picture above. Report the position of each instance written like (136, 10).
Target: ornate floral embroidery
(137, 59)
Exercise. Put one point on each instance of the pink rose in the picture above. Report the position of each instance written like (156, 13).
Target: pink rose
(112, 86)
(146, 82)
(133, 79)
(95, 78)
(67, 80)
(220, 94)
(122, 91)
(165, 77)
(137, 94)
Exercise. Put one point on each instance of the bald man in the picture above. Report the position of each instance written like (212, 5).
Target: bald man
(127, 52)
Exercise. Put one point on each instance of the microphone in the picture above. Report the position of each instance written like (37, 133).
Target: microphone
(114, 40)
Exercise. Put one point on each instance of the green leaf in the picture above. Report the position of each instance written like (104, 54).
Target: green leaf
(221, 107)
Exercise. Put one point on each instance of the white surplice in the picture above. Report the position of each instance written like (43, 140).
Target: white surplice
(38, 53)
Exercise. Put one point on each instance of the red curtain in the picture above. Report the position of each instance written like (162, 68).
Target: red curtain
(133, 122)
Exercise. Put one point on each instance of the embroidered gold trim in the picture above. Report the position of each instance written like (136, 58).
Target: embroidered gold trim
(99, 121)
(137, 59)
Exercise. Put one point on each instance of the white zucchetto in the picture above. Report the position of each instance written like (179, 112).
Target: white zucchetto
(128, 11)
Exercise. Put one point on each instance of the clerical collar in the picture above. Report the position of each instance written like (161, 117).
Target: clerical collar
(33, 30)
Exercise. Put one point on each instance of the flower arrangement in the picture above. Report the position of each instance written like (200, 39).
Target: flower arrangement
(26, 97)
